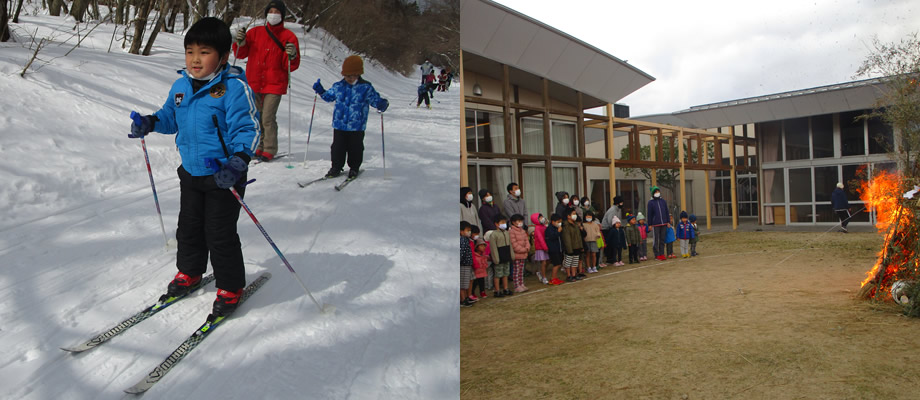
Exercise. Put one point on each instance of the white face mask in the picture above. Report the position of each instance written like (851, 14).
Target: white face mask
(273, 19)
(519, 224)
(588, 219)
(587, 203)
(573, 217)
(475, 237)
(565, 201)
(503, 226)
(488, 199)
(542, 220)
(657, 195)
(576, 202)
(517, 193)
(558, 224)
(469, 197)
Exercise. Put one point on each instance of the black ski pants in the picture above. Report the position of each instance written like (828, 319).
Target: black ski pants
(207, 226)
(347, 145)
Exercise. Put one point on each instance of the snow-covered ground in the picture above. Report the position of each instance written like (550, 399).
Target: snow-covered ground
(81, 246)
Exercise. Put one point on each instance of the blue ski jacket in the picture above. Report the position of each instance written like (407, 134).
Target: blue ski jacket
(219, 119)
(657, 212)
(351, 104)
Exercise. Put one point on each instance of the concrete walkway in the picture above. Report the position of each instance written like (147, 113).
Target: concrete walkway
(750, 225)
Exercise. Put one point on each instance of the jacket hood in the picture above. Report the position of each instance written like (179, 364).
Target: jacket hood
(463, 192)
(483, 193)
(617, 200)
(560, 195)
(683, 214)
(692, 218)
(535, 218)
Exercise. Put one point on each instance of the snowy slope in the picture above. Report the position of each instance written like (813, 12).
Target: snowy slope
(81, 245)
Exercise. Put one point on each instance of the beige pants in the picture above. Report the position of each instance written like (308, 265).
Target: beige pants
(268, 106)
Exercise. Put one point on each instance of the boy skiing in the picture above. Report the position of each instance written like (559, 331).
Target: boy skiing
(352, 96)
(212, 110)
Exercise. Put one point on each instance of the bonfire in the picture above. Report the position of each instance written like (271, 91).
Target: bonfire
(897, 269)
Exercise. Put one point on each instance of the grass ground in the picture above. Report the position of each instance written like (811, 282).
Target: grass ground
(767, 315)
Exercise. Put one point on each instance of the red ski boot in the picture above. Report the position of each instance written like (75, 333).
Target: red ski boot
(226, 302)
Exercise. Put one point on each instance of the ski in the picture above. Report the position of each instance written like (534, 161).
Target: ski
(134, 319)
(192, 341)
(344, 183)
(308, 183)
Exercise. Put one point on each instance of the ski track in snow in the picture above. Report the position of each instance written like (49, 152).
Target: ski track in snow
(81, 246)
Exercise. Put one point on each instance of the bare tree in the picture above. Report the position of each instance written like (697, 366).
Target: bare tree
(78, 9)
(140, 24)
(165, 5)
(4, 23)
(18, 10)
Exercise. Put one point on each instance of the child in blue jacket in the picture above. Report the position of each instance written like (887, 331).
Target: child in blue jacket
(352, 96)
(684, 234)
(670, 238)
(213, 114)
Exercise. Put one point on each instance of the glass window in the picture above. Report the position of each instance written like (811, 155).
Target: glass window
(825, 213)
(717, 195)
(772, 140)
(532, 132)
(881, 137)
(801, 213)
(886, 166)
(852, 134)
(633, 196)
(565, 179)
(796, 131)
(774, 184)
(471, 131)
(534, 188)
(564, 143)
(822, 135)
(799, 185)
(495, 178)
(600, 194)
(853, 176)
(774, 215)
(825, 182)
(474, 183)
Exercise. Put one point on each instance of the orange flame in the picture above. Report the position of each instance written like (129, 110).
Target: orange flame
(883, 194)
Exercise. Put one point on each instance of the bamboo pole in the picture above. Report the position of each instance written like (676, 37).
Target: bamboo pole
(683, 176)
(705, 160)
(653, 151)
(613, 158)
(547, 144)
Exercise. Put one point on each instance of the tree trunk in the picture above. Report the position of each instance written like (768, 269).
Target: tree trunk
(171, 21)
(202, 10)
(4, 23)
(55, 9)
(140, 23)
(18, 10)
(161, 20)
(120, 7)
(78, 8)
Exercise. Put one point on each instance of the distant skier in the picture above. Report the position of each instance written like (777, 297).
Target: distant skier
(210, 101)
(442, 81)
(427, 68)
(270, 48)
(423, 95)
(431, 83)
(352, 96)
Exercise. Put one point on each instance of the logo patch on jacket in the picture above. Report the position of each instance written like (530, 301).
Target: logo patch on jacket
(218, 90)
(178, 98)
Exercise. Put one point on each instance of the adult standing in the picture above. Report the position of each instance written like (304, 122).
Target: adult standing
(841, 206)
(271, 50)
(488, 212)
(615, 210)
(427, 68)
(468, 211)
(514, 203)
(658, 219)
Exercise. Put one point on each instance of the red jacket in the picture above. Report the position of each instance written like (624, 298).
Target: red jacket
(520, 243)
(539, 233)
(266, 70)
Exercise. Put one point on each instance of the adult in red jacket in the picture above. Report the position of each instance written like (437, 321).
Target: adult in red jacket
(270, 48)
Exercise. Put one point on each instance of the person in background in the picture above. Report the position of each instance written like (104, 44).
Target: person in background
(632, 238)
(841, 206)
(427, 68)
(554, 245)
(541, 252)
(500, 245)
(272, 51)
(468, 211)
(480, 267)
(423, 96)
(571, 240)
(644, 229)
(620, 242)
(466, 264)
(592, 232)
(696, 236)
(669, 238)
(658, 219)
(684, 233)
(563, 206)
(488, 211)
(520, 246)
(615, 210)
(514, 203)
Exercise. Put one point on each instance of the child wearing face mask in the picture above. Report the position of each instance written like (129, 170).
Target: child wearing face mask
(562, 207)
(592, 233)
(466, 264)
(500, 243)
(541, 254)
(468, 211)
(554, 246)
(571, 239)
(520, 246)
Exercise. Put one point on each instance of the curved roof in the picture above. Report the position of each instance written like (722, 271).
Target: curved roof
(501, 35)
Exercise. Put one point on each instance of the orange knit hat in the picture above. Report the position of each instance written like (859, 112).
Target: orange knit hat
(353, 65)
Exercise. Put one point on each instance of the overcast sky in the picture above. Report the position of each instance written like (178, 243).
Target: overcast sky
(709, 51)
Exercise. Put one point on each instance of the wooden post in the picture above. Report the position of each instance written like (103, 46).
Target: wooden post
(653, 154)
(731, 152)
(613, 158)
(464, 164)
(547, 143)
(683, 176)
(708, 192)
(580, 137)
(506, 107)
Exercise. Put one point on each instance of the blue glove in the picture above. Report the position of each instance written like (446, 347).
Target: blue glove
(382, 105)
(142, 125)
(230, 172)
(318, 88)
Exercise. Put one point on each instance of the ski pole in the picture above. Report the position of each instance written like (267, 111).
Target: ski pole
(383, 148)
(325, 308)
(137, 121)
(309, 131)
(290, 100)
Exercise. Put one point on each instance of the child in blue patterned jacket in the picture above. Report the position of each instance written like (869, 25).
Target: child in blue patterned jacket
(352, 96)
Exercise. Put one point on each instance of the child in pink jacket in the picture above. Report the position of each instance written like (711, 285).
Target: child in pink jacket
(480, 267)
(520, 247)
(541, 254)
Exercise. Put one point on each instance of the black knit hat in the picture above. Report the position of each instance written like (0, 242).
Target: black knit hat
(483, 193)
(279, 5)
(617, 200)
(683, 214)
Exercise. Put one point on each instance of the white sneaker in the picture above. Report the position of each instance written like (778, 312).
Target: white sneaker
(545, 281)
(540, 277)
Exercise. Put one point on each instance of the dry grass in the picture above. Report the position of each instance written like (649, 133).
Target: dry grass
(759, 315)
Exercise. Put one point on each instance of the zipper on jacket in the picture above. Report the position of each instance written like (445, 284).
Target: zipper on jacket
(219, 135)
